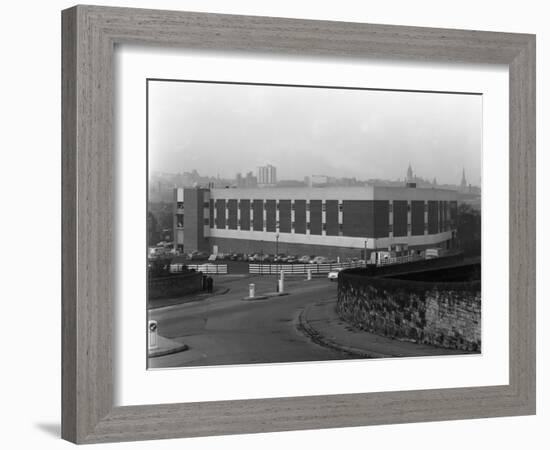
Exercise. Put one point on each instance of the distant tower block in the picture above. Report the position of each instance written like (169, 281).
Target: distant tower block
(463, 182)
(410, 174)
(267, 176)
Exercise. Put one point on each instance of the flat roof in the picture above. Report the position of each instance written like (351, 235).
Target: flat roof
(367, 192)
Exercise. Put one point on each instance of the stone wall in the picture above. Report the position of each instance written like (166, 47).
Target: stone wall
(173, 286)
(446, 314)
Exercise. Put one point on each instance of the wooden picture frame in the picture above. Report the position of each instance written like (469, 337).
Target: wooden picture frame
(89, 36)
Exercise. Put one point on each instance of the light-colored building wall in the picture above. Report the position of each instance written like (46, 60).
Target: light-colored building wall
(367, 192)
(368, 222)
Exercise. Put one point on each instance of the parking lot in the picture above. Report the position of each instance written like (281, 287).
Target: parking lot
(240, 264)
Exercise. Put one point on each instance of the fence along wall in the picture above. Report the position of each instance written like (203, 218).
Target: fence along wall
(445, 314)
(204, 268)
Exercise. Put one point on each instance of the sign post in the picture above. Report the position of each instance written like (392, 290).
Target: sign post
(153, 334)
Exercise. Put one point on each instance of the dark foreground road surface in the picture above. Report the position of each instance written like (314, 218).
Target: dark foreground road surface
(228, 330)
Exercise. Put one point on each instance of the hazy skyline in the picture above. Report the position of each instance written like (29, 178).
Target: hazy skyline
(225, 129)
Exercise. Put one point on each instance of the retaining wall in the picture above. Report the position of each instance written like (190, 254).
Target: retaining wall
(446, 314)
(174, 285)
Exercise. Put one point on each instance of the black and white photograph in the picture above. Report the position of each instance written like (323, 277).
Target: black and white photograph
(290, 223)
(269, 225)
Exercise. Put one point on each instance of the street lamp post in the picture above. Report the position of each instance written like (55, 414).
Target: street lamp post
(262, 251)
(277, 245)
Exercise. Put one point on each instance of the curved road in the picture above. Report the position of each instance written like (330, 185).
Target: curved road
(228, 330)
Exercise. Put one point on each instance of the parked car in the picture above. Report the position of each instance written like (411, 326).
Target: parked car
(291, 259)
(280, 258)
(269, 259)
(304, 259)
(197, 256)
(156, 252)
(333, 274)
(431, 253)
(319, 260)
(257, 257)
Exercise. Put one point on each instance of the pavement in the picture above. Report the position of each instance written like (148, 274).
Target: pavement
(321, 323)
(166, 347)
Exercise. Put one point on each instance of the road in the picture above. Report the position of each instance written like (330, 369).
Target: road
(226, 329)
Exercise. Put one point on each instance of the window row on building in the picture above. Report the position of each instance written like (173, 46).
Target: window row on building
(352, 218)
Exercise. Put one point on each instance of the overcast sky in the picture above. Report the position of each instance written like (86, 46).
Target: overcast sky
(225, 129)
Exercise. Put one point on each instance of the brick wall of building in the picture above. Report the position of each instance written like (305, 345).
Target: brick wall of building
(232, 214)
(300, 216)
(433, 217)
(245, 214)
(380, 218)
(400, 218)
(193, 220)
(258, 218)
(356, 217)
(417, 218)
(271, 215)
(285, 214)
(369, 219)
(315, 217)
(220, 213)
(331, 215)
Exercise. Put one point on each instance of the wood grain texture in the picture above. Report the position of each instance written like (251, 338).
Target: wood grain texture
(68, 224)
(89, 36)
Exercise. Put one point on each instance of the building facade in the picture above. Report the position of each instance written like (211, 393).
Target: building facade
(178, 219)
(333, 221)
(267, 176)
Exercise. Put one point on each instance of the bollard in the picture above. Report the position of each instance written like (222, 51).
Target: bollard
(251, 290)
(309, 274)
(153, 334)
(282, 282)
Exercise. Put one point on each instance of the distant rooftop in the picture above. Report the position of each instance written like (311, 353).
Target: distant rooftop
(366, 192)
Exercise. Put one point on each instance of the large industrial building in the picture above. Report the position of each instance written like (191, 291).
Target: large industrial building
(329, 221)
